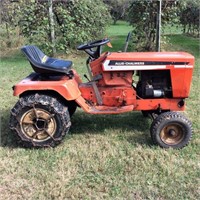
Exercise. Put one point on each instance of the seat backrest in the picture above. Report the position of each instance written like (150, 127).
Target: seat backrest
(33, 53)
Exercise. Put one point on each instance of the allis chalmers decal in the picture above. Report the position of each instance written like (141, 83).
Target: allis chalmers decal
(126, 63)
(120, 65)
(133, 63)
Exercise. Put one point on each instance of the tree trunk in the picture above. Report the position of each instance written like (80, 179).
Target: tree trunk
(51, 24)
(8, 42)
(189, 28)
(114, 21)
(184, 28)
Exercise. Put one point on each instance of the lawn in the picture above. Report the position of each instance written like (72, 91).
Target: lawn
(117, 34)
(103, 157)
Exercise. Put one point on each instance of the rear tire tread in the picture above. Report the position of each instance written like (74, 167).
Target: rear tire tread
(43, 100)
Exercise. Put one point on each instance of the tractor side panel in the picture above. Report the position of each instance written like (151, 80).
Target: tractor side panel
(160, 104)
(111, 96)
(68, 88)
(181, 80)
(123, 78)
(112, 78)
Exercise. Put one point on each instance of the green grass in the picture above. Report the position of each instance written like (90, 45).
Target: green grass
(171, 29)
(117, 34)
(104, 157)
(191, 45)
(184, 43)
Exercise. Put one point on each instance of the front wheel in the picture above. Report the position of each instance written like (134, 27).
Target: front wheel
(39, 120)
(171, 129)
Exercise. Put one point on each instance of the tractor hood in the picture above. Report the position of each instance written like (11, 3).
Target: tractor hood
(147, 60)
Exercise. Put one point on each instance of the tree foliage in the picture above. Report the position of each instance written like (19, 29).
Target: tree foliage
(143, 17)
(75, 21)
(118, 9)
(189, 15)
(9, 18)
(81, 20)
(34, 23)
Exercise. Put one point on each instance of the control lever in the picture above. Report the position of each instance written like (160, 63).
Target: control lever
(86, 77)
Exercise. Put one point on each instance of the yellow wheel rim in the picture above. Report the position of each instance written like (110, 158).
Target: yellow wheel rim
(172, 134)
(38, 124)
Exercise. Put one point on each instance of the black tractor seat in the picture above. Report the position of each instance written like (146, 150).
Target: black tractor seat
(46, 65)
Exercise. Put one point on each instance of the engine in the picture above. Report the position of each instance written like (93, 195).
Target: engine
(154, 84)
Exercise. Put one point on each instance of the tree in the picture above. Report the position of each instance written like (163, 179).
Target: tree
(81, 20)
(74, 21)
(118, 9)
(34, 23)
(189, 16)
(7, 11)
(143, 15)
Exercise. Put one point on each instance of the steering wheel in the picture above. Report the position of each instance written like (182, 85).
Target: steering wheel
(93, 44)
(88, 47)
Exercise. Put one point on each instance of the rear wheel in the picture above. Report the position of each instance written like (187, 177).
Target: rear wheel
(171, 129)
(39, 120)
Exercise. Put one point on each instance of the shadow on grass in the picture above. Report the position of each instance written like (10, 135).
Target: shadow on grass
(130, 126)
(7, 137)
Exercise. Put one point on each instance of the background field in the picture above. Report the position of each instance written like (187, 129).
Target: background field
(103, 157)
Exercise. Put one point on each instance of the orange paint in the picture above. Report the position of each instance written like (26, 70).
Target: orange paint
(68, 88)
(115, 86)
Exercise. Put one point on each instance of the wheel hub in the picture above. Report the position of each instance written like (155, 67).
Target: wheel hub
(38, 124)
(172, 134)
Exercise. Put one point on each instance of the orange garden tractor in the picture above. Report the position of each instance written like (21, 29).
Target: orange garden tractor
(49, 96)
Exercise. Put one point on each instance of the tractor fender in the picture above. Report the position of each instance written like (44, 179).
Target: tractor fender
(67, 88)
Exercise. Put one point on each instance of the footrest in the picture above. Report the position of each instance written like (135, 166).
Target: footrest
(110, 110)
